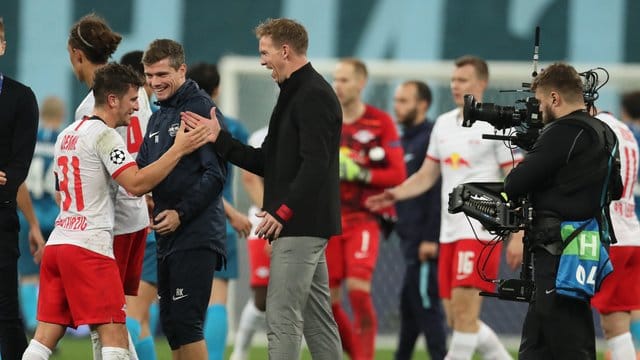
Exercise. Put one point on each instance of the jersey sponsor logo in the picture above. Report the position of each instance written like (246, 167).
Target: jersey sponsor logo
(179, 294)
(117, 156)
(408, 157)
(456, 161)
(364, 136)
(154, 134)
(72, 223)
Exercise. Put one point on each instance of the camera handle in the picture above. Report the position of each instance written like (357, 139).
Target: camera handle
(521, 289)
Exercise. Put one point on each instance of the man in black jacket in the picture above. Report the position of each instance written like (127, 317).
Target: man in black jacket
(189, 219)
(418, 227)
(19, 120)
(565, 175)
(301, 207)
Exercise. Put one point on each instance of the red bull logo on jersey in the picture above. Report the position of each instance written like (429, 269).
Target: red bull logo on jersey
(72, 223)
(364, 136)
(456, 161)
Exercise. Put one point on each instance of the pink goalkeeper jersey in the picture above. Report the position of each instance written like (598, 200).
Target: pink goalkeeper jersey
(465, 157)
(623, 215)
(131, 211)
(87, 155)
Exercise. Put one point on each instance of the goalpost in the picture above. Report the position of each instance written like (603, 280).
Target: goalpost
(248, 93)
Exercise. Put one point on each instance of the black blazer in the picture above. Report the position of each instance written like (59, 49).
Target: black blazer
(299, 157)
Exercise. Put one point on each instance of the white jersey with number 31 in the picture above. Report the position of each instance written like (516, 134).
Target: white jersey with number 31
(131, 211)
(88, 154)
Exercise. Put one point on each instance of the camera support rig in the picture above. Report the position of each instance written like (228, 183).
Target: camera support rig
(486, 203)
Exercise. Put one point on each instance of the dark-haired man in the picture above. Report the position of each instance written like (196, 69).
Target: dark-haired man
(419, 228)
(80, 280)
(19, 119)
(189, 219)
(569, 177)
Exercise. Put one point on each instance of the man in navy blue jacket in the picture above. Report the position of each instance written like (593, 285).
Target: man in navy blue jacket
(419, 229)
(189, 217)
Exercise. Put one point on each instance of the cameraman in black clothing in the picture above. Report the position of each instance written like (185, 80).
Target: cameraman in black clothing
(19, 121)
(564, 174)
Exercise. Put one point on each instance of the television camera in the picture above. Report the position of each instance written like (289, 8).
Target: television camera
(526, 121)
(487, 203)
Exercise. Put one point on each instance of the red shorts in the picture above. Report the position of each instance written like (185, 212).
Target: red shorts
(620, 291)
(259, 262)
(128, 250)
(459, 262)
(78, 287)
(354, 253)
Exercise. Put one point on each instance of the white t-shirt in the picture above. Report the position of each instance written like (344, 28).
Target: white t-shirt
(255, 140)
(88, 154)
(623, 215)
(465, 157)
(131, 211)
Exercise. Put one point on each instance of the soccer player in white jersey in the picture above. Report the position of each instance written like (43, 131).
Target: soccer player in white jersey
(619, 294)
(460, 155)
(91, 43)
(80, 280)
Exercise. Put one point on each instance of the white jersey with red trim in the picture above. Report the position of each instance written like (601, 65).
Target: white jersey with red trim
(623, 215)
(87, 155)
(255, 140)
(465, 157)
(131, 211)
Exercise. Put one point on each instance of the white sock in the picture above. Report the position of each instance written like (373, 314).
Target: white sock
(115, 353)
(250, 320)
(462, 346)
(96, 345)
(621, 347)
(36, 351)
(489, 346)
(133, 355)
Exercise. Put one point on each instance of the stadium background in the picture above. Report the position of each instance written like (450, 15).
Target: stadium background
(583, 32)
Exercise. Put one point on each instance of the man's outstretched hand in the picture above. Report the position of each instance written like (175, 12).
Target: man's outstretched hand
(193, 120)
(380, 201)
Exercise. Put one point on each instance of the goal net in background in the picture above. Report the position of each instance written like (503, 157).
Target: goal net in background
(248, 93)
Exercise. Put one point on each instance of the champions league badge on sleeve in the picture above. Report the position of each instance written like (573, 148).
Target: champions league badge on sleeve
(117, 156)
